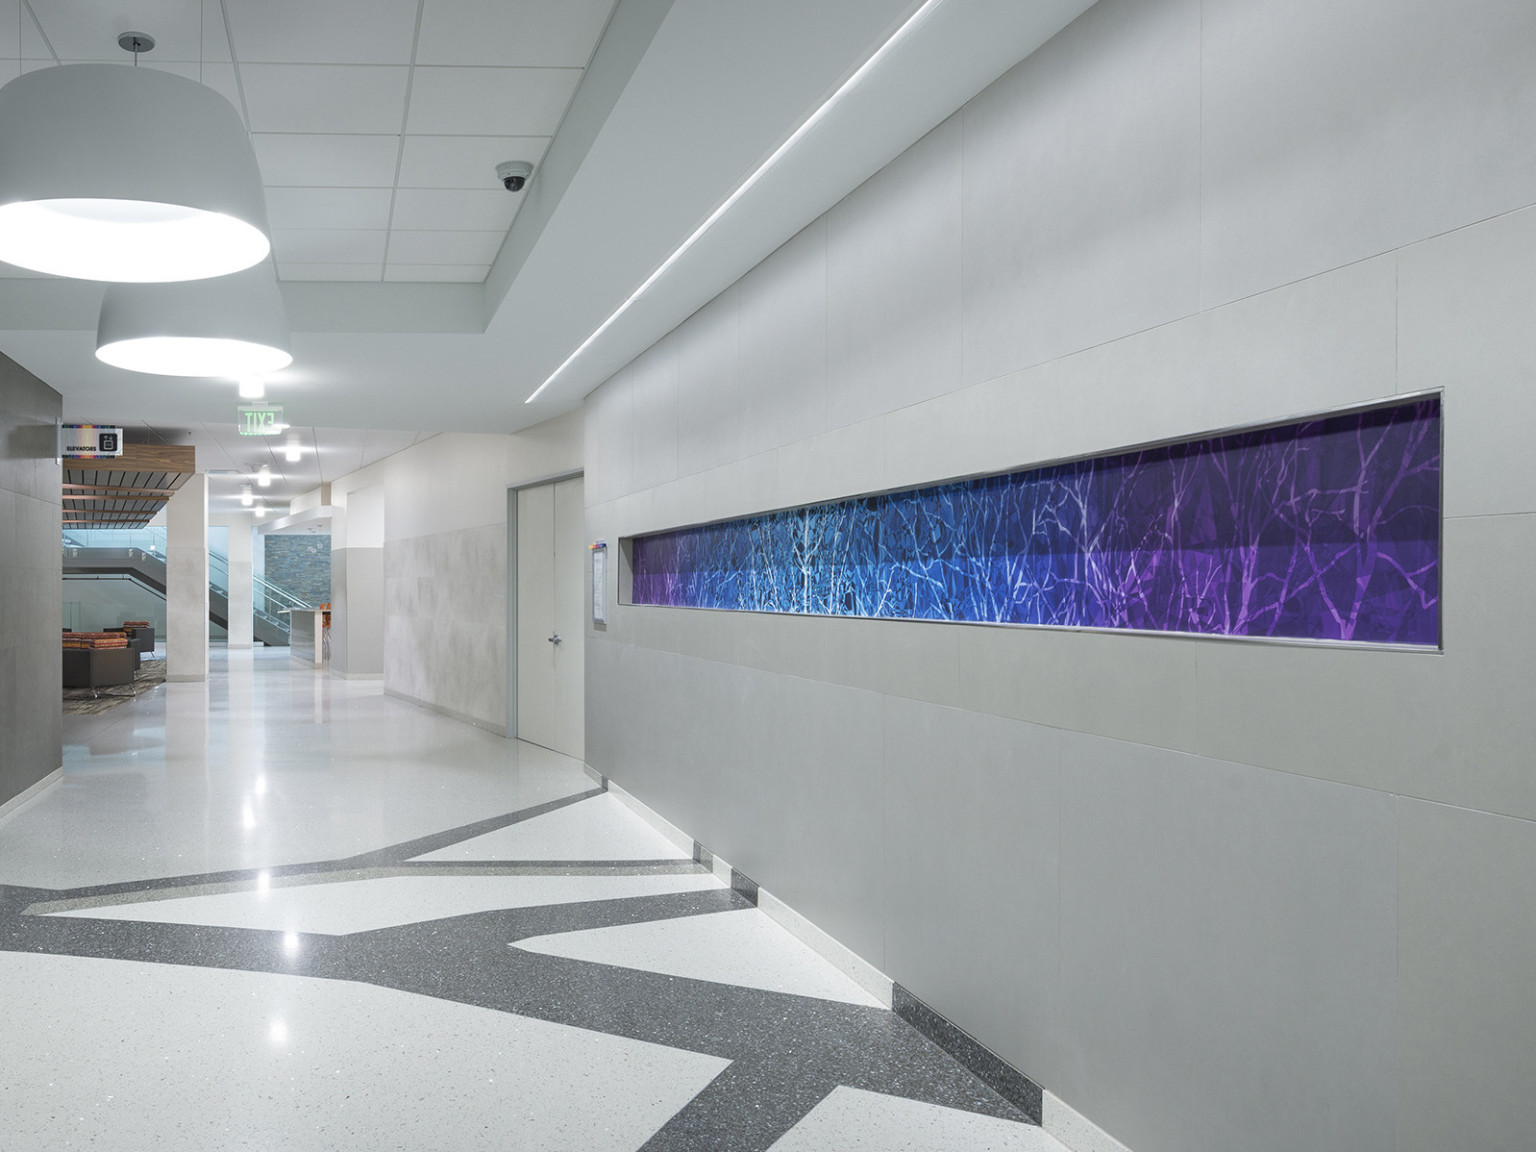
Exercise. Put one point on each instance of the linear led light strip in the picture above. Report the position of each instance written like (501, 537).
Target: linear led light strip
(746, 185)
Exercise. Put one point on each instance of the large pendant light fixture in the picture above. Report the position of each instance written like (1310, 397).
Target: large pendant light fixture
(126, 174)
(233, 326)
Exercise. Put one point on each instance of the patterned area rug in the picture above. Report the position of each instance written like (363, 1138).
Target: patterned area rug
(81, 702)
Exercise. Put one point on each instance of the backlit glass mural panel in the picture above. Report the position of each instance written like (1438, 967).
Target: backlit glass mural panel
(1323, 530)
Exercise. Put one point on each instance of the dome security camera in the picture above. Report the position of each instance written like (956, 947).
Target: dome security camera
(513, 174)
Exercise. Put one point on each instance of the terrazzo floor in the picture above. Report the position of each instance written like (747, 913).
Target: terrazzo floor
(283, 911)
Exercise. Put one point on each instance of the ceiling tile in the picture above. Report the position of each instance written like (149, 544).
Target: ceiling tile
(328, 246)
(490, 101)
(463, 161)
(339, 99)
(443, 247)
(221, 78)
(302, 271)
(33, 46)
(215, 38)
(438, 273)
(333, 32)
(328, 207)
(455, 209)
(176, 25)
(300, 160)
(534, 33)
(10, 31)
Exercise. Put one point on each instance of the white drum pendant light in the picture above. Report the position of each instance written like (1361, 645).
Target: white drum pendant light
(126, 174)
(233, 326)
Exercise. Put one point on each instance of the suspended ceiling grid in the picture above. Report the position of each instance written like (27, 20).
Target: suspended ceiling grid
(378, 124)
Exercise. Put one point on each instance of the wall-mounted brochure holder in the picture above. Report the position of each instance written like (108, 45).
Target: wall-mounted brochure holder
(600, 582)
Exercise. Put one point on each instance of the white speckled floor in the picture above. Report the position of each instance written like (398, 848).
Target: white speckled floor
(742, 947)
(128, 1056)
(278, 910)
(600, 829)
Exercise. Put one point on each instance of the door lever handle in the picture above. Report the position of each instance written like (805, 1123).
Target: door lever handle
(555, 639)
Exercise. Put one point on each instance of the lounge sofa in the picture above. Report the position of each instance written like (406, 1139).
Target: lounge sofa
(97, 660)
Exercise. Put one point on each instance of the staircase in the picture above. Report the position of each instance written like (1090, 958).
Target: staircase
(141, 558)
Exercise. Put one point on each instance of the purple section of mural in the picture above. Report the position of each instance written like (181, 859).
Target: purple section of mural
(1323, 530)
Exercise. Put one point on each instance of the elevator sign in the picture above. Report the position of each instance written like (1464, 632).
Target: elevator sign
(90, 441)
(260, 420)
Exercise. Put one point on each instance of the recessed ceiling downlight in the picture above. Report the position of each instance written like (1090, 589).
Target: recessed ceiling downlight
(232, 326)
(126, 174)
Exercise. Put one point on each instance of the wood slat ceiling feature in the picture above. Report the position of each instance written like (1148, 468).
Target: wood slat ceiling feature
(110, 489)
(125, 491)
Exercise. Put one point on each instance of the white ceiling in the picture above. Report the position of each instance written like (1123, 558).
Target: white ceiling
(378, 124)
(326, 454)
(375, 139)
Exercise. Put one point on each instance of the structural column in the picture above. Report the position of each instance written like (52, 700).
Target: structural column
(240, 598)
(186, 581)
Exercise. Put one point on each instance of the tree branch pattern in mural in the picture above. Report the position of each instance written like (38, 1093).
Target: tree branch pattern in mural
(1324, 530)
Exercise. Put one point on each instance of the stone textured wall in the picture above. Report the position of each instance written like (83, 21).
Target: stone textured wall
(445, 622)
(443, 562)
(301, 565)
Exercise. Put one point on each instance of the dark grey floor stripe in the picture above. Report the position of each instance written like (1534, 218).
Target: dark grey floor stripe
(526, 868)
(716, 1120)
(999, 1075)
(398, 853)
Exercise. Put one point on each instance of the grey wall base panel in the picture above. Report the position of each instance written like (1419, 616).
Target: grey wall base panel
(15, 803)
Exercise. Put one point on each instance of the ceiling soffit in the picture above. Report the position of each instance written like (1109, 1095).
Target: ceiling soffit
(627, 178)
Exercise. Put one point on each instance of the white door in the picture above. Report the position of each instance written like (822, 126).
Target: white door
(551, 624)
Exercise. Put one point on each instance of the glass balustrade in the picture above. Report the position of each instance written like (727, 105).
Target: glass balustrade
(269, 602)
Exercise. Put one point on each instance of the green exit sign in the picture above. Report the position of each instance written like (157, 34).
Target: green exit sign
(260, 419)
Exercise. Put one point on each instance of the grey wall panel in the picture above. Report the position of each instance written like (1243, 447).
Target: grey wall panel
(1467, 951)
(1063, 252)
(357, 611)
(341, 616)
(31, 581)
(365, 595)
(821, 831)
(894, 309)
(1456, 727)
(783, 344)
(1466, 328)
(972, 846)
(1336, 131)
(1228, 940)
(709, 398)
(1167, 228)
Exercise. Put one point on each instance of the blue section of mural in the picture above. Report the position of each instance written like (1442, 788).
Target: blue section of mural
(1322, 530)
